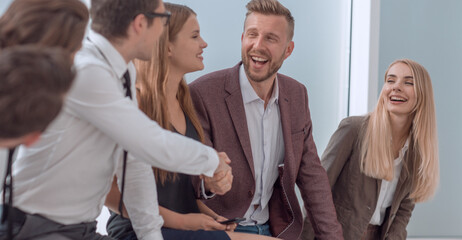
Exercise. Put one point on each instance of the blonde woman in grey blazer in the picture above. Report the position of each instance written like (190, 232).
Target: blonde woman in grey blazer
(381, 164)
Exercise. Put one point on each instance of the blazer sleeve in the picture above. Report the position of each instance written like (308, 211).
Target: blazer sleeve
(335, 156)
(314, 187)
(340, 147)
(400, 220)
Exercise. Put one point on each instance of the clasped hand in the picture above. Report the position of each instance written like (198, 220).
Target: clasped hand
(222, 179)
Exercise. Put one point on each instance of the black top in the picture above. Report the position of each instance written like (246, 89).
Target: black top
(177, 195)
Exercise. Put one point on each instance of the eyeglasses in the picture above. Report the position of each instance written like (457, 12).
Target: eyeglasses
(164, 16)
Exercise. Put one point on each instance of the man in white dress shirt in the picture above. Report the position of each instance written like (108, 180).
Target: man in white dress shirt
(67, 174)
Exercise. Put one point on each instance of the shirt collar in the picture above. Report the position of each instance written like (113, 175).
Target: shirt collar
(406, 146)
(110, 54)
(249, 94)
(402, 152)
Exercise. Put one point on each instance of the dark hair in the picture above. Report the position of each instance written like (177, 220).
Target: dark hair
(33, 83)
(271, 7)
(45, 22)
(111, 18)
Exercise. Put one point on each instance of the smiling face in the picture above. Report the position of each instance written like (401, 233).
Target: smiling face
(265, 45)
(185, 51)
(398, 92)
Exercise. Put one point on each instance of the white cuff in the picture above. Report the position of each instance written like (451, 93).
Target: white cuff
(212, 161)
(203, 191)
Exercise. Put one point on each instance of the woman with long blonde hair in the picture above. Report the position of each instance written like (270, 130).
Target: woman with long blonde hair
(163, 95)
(381, 164)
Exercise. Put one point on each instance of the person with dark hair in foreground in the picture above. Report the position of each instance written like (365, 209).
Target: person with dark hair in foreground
(34, 81)
(47, 23)
(28, 107)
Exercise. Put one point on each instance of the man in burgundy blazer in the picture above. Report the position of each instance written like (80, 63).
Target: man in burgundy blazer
(219, 105)
(224, 115)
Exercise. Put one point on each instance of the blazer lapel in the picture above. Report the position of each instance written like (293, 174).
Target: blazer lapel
(236, 110)
(402, 178)
(284, 110)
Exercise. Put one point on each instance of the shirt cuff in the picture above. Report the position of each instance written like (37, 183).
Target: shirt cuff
(156, 235)
(213, 162)
(204, 194)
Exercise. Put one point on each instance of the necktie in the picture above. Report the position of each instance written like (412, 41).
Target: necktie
(127, 85)
(128, 93)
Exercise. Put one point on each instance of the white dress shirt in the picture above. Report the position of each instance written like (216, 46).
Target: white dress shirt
(67, 174)
(388, 188)
(267, 143)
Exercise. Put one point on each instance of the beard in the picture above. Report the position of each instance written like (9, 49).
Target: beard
(274, 66)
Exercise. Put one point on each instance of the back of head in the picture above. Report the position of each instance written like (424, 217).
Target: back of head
(33, 83)
(44, 22)
(111, 18)
(272, 7)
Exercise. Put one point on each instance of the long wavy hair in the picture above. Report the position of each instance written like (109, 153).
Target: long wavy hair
(152, 79)
(377, 147)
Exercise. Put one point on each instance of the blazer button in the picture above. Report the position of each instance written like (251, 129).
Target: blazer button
(250, 193)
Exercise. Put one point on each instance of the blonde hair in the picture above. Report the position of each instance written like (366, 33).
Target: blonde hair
(152, 80)
(271, 7)
(377, 149)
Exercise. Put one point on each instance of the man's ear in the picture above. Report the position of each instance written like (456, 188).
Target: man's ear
(138, 23)
(289, 49)
(31, 138)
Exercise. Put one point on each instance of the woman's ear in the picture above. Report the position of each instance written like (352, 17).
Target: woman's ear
(169, 49)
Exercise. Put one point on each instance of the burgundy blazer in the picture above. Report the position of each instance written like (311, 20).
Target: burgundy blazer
(219, 105)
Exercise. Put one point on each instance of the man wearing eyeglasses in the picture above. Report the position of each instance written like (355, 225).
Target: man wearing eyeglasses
(65, 176)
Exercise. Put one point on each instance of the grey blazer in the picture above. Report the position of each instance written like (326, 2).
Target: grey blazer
(355, 194)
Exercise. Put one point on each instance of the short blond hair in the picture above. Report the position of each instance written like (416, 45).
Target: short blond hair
(271, 7)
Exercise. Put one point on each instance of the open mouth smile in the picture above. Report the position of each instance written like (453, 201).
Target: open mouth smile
(397, 99)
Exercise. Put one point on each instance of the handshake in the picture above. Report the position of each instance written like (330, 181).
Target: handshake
(222, 179)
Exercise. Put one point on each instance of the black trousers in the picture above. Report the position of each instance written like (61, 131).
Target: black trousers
(33, 226)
